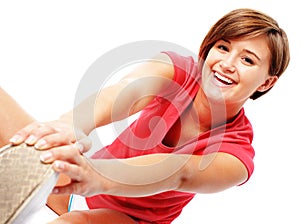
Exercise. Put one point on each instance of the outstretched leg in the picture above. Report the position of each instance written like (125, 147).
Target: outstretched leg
(12, 117)
(59, 204)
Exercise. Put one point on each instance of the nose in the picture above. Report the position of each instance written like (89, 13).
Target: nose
(227, 64)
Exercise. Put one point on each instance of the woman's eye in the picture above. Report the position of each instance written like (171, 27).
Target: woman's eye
(248, 60)
(223, 47)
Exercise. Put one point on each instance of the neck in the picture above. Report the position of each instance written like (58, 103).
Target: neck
(212, 114)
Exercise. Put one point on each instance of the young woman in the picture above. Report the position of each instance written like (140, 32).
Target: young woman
(192, 135)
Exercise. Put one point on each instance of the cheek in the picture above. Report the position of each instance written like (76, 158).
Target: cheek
(205, 70)
(254, 77)
(208, 64)
(211, 58)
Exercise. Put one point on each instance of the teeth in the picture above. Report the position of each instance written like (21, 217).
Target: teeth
(224, 79)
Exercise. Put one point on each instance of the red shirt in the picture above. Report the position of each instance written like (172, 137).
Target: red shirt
(146, 134)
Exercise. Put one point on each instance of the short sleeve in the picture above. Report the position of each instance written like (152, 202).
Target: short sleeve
(245, 153)
(185, 70)
(234, 138)
(183, 66)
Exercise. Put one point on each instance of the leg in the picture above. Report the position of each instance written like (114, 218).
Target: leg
(96, 216)
(12, 117)
(59, 204)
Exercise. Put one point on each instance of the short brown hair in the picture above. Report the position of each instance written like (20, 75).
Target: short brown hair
(244, 22)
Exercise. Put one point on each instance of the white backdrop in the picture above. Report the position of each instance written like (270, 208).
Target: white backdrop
(47, 46)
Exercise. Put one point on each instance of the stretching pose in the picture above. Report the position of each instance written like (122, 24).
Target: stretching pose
(191, 136)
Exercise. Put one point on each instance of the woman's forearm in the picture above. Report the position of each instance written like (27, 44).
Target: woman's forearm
(111, 104)
(124, 98)
(95, 111)
(82, 116)
(156, 173)
(143, 175)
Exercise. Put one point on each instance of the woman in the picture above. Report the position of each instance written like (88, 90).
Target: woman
(192, 135)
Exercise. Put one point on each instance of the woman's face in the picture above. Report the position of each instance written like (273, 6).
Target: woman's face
(235, 69)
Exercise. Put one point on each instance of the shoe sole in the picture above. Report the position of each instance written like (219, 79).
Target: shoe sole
(25, 182)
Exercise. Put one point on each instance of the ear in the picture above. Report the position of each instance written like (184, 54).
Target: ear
(269, 83)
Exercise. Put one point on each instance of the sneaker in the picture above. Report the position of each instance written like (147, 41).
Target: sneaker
(25, 182)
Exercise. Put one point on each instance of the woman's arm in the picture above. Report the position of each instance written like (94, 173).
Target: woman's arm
(146, 175)
(126, 97)
(112, 103)
(155, 173)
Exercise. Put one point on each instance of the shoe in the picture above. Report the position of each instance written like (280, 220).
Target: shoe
(25, 182)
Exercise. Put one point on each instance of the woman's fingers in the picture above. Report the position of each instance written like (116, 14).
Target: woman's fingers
(68, 153)
(70, 161)
(57, 139)
(72, 188)
(84, 144)
(49, 134)
(82, 178)
(39, 132)
(32, 133)
(52, 140)
(74, 171)
(24, 133)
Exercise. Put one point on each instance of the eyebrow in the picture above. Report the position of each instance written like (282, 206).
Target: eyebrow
(251, 52)
(248, 51)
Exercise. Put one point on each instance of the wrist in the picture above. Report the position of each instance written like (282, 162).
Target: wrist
(78, 122)
(66, 118)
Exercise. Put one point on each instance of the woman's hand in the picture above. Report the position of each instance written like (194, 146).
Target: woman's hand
(85, 180)
(45, 135)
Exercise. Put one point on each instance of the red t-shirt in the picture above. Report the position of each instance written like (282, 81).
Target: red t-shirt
(146, 134)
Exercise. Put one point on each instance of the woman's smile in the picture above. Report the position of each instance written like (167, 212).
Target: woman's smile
(222, 80)
(235, 69)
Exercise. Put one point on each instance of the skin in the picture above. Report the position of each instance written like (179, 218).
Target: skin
(244, 62)
(12, 117)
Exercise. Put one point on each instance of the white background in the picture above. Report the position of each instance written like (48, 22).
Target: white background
(47, 46)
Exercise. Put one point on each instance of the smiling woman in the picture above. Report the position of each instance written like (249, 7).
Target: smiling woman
(192, 135)
(237, 69)
(249, 24)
